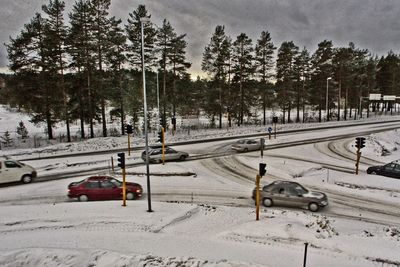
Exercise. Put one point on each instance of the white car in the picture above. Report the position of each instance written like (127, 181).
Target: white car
(155, 155)
(15, 171)
(244, 145)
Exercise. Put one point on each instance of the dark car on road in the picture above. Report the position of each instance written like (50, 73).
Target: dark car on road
(103, 188)
(390, 170)
(291, 194)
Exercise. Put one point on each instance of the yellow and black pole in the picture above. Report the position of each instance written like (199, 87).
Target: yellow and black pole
(258, 177)
(123, 188)
(121, 164)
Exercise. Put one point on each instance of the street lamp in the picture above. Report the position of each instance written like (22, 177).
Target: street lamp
(327, 90)
(142, 21)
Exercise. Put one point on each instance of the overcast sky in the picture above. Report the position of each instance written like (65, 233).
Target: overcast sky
(371, 24)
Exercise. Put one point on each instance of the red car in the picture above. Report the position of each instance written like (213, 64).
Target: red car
(103, 188)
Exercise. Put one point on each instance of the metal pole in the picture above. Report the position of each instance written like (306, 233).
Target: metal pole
(145, 121)
(158, 98)
(326, 99)
(305, 255)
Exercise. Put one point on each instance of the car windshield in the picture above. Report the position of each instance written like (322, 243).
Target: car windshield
(241, 141)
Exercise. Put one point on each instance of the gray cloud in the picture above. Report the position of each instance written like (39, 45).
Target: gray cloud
(371, 24)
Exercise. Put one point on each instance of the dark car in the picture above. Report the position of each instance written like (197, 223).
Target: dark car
(103, 188)
(155, 154)
(390, 170)
(291, 194)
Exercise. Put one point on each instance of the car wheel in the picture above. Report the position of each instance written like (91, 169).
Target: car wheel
(83, 198)
(267, 202)
(245, 150)
(313, 207)
(130, 196)
(26, 179)
(182, 158)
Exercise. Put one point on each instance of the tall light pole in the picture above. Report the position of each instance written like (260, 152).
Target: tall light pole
(327, 91)
(142, 21)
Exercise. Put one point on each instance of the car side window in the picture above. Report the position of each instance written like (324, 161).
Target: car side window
(106, 184)
(155, 152)
(397, 168)
(11, 164)
(389, 166)
(92, 184)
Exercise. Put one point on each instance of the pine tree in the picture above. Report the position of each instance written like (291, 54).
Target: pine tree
(133, 30)
(165, 35)
(302, 69)
(80, 41)
(322, 70)
(179, 64)
(115, 59)
(100, 28)
(264, 63)
(216, 63)
(285, 73)
(30, 59)
(243, 67)
(55, 33)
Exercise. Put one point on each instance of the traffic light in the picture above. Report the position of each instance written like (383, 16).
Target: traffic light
(360, 142)
(129, 129)
(121, 160)
(173, 120)
(162, 122)
(275, 119)
(262, 169)
(160, 135)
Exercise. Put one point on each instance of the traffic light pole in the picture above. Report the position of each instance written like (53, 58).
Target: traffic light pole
(123, 188)
(143, 20)
(162, 146)
(129, 144)
(258, 177)
(358, 159)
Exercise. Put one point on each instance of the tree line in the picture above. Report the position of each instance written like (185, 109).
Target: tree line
(75, 71)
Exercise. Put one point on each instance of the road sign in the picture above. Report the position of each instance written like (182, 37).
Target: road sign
(389, 98)
(374, 96)
(269, 129)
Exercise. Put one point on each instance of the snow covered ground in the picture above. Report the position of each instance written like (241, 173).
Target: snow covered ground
(209, 219)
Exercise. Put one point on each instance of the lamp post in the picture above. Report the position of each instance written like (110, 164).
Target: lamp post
(327, 90)
(142, 21)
